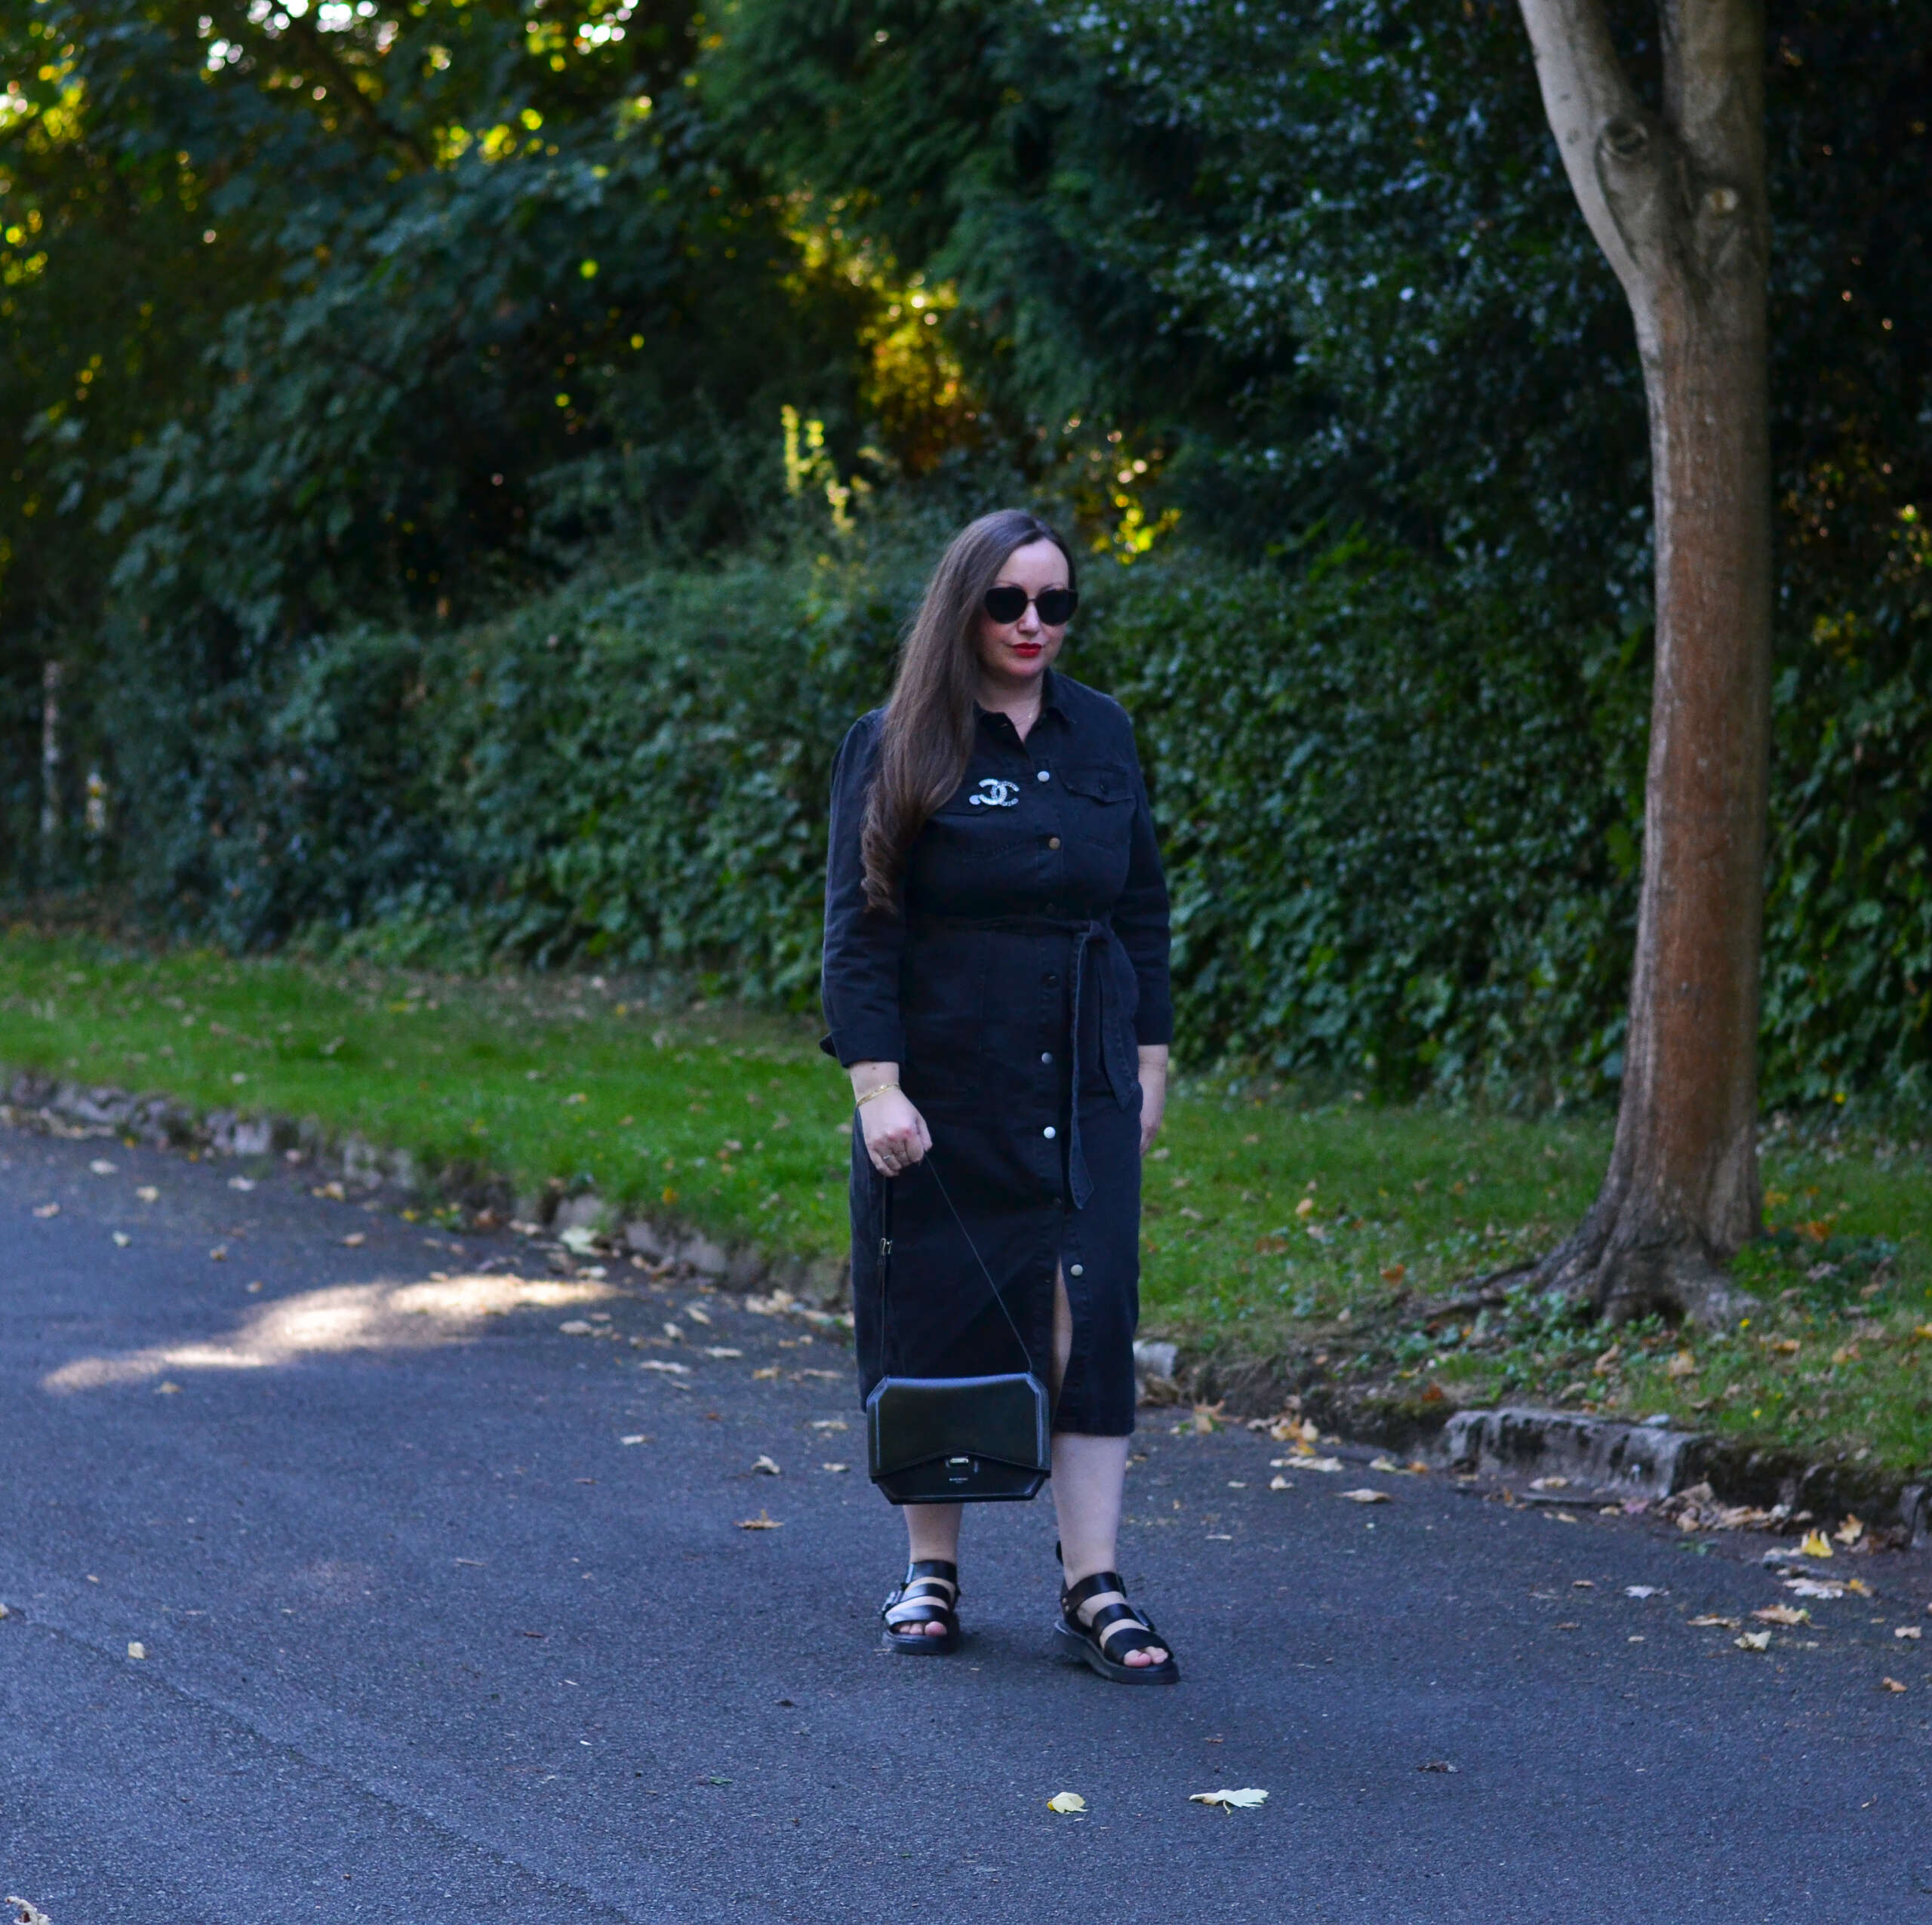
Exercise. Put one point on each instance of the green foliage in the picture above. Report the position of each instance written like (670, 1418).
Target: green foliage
(1402, 820)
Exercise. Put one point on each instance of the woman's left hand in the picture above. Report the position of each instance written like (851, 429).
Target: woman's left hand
(1153, 1092)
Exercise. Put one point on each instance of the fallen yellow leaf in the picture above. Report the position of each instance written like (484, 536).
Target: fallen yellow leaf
(769, 1372)
(1850, 1532)
(1858, 1585)
(1064, 1802)
(1815, 1544)
(763, 1521)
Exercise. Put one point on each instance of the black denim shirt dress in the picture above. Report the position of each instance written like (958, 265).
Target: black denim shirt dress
(1030, 959)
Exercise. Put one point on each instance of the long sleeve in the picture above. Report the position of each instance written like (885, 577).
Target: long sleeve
(863, 949)
(1141, 921)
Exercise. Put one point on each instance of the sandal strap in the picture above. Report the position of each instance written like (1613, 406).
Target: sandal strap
(916, 1610)
(1122, 1621)
(1096, 1586)
(929, 1594)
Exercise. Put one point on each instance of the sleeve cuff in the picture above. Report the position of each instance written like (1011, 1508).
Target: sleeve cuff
(860, 1044)
(1153, 1026)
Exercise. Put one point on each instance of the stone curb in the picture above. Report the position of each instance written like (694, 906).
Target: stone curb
(1515, 1444)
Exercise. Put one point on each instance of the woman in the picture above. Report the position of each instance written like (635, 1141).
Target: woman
(996, 985)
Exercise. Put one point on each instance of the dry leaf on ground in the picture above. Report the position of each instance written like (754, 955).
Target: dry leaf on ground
(1066, 1802)
(1727, 1623)
(354, 1240)
(1643, 1590)
(1782, 1614)
(136, 1649)
(766, 1375)
(1244, 1799)
(769, 1465)
(722, 1350)
(635, 1436)
(1891, 1684)
(834, 1467)
(576, 1327)
(29, 1913)
(1364, 1496)
(1850, 1532)
(1815, 1587)
(46, 1209)
(763, 1521)
(668, 1369)
(1816, 1545)
(1324, 1464)
(1911, 1631)
(1754, 1641)
(1277, 1482)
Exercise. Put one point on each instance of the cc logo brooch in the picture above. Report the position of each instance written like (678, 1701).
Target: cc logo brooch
(998, 794)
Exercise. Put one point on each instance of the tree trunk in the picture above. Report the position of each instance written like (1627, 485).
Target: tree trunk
(50, 772)
(1677, 203)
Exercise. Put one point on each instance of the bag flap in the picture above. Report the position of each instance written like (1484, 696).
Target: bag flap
(912, 1420)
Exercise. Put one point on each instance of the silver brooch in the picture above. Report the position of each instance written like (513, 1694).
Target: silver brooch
(998, 794)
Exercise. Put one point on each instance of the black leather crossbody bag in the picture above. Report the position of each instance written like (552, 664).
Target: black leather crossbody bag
(957, 1439)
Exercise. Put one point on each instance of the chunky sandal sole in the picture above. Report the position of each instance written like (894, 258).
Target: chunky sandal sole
(1097, 1660)
(922, 1646)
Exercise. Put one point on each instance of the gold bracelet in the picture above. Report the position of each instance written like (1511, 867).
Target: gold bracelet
(877, 1090)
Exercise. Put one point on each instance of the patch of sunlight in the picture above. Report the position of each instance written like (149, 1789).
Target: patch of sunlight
(381, 1316)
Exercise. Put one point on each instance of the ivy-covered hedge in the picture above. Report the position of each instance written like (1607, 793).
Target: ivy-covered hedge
(1402, 814)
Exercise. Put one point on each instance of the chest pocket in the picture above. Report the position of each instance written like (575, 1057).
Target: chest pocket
(1100, 807)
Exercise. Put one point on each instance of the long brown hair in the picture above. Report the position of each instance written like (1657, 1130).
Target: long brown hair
(927, 738)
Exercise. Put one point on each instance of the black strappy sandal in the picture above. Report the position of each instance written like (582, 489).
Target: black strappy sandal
(929, 1594)
(1114, 1630)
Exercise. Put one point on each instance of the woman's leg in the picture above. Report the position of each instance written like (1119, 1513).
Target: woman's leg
(1090, 1474)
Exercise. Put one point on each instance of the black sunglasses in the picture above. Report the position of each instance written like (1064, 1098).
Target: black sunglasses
(1006, 604)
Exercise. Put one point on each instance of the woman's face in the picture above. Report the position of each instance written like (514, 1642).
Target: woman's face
(1018, 652)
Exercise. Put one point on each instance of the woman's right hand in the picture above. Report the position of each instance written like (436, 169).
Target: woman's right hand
(895, 1132)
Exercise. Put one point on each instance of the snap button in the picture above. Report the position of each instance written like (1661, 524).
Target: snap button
(1050, 981)
(1076, 1270)
(1045, 775)
(1052, 842)
(1049, 1132)
(1046, 1055)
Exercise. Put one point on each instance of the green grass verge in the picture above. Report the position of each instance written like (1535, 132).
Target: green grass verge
(1333, 1230)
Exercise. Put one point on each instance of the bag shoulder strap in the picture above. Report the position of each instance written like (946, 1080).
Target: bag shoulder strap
(885, 1266)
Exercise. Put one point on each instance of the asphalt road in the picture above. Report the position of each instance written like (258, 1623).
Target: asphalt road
(427, 1640)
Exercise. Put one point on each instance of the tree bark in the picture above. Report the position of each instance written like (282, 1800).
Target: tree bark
(50, 772)
(1677, 203)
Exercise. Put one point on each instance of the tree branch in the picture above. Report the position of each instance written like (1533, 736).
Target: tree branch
(1616, 155)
